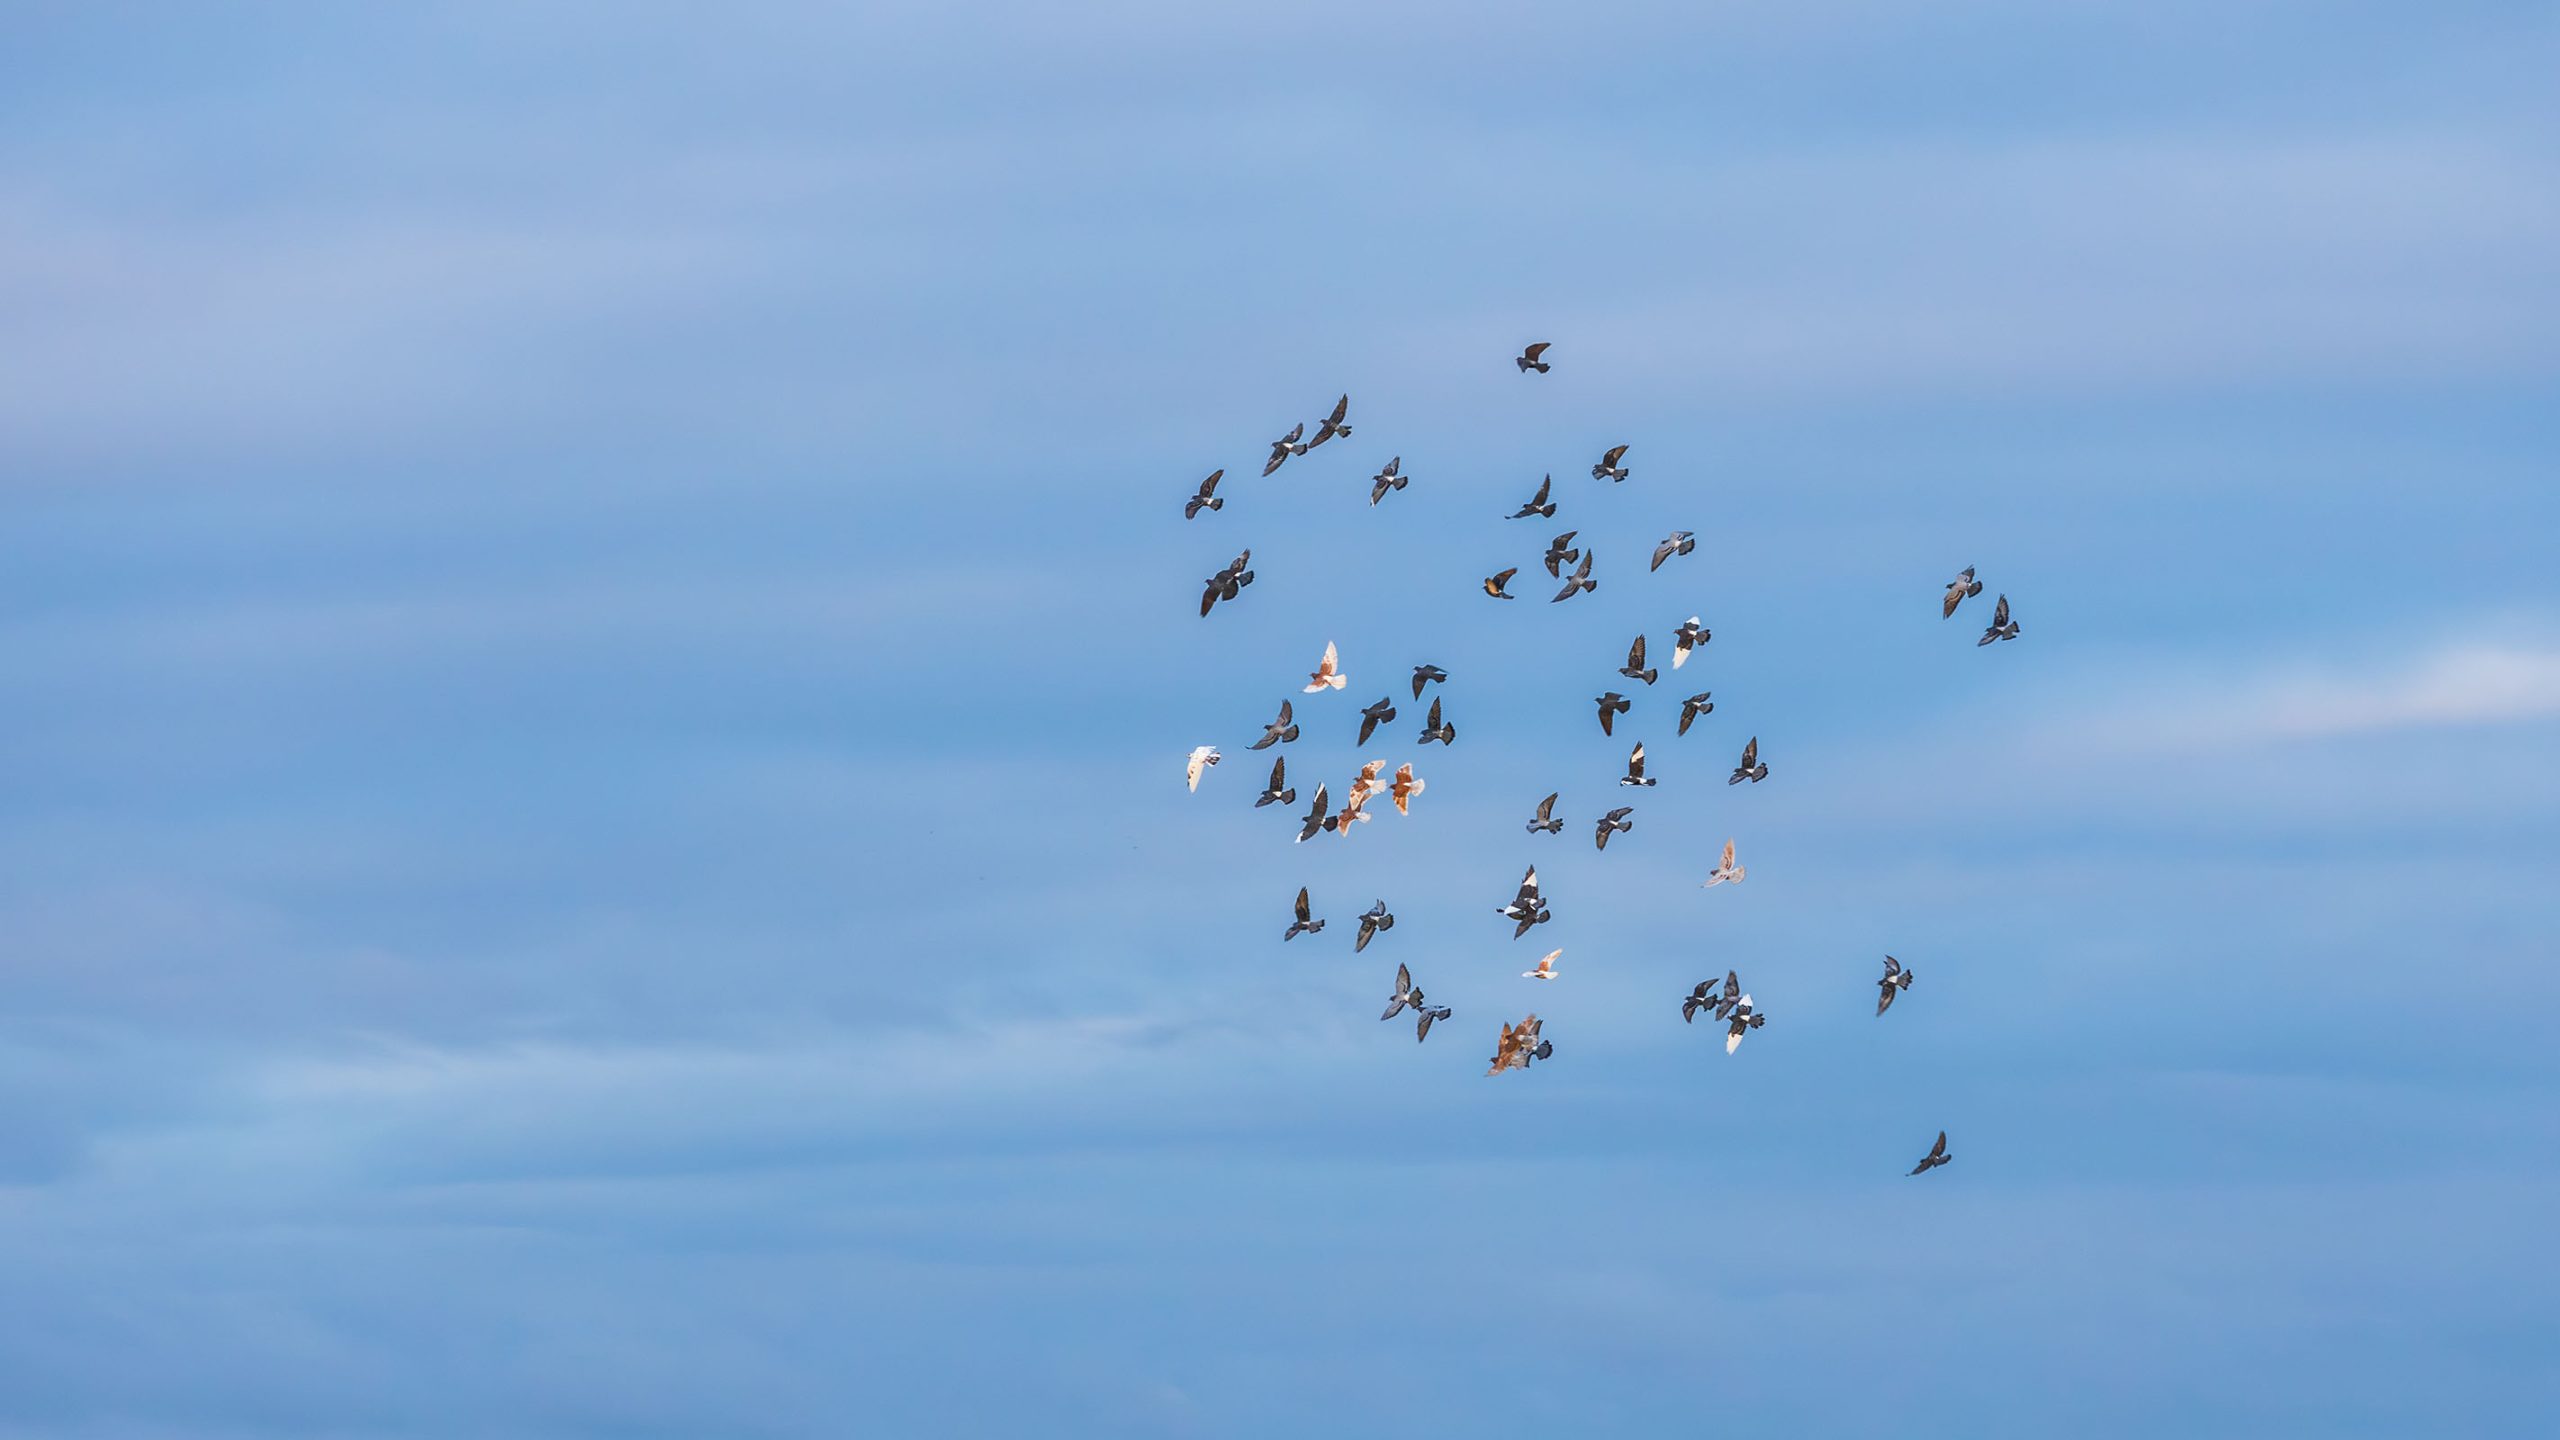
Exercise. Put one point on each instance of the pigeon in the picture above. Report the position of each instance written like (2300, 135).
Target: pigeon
(1365, 784)
(1375, 714)
(1202, 757)
(1539, 505)
(1679, 542)
(1936, 1157)
(1424, 675)
(1581, 580)
(1560, 554)
(1546, 968)
(1614, 820)
(1434, 729)
(1408, 993)
(1386, 480)
(1547, 823)
(1609, 468)
(1207, 499)
(1304, 926)
(1422, 1021)
(1354, 803)
(1493, 584)
(1372, 920)
(1958, 590)
(1612, 704)
(1331, 427)
(1688, 637)
(1227, 583)
(1750, 769)
(1732, 996)
(1528, 359)
(1519, 1045)
(1742, 1017)
(1278, 732)
(1702, 703)
(1725, 870)
(1286, 446)
(2002, 627)
(1635, 669)
(1405, 788)
(1328, 672)
(1701, 996)
(1315, 819)
(1895, 979)
(1279, 791)
(1635, 767)
(1528, 907)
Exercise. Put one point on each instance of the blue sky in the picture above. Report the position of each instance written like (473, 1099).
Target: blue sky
(599, 644)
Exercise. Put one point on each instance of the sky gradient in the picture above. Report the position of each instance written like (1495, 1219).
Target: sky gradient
(599, 641)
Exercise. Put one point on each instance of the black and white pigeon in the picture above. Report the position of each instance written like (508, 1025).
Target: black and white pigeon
(1895, 979)
(1936, 1157)
(1741, 1016)
(1609, 468)
(1278, 732)
(1279, 791)
(1580, 580)
(1424, 675)
(1304, 925)
(1612, 704)
(1701, 996)
(1493, 584)
(1560, 553)
(1750, 769)
(1539, 504)
(1547, 823)
(1688, 637)
(1316, 819)
(1635, 669)
(1528, 359)
(1702, 703)
(1372, 920)
(1286, 446)
(1375, 714)
(1679, 542)
(1386, 480)
(1207, 499)
(1528, 907)
(1228, 582)
(1959, 590)
(1635, 767)
(1616, 820)
(2002, 627)
(1433, 728)
(1332, 426)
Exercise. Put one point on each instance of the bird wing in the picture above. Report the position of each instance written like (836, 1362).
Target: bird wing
(1302, 904)
(1635, 654)
(1728, 855)
(1545, 484)
(1296, 433)
(1955, 597)
(1547, 807)
(2000, 613)
(1504, 578)
(1616, 452)
(1341, 408)
(1635, 759)
(1533, 352)
(1434, 721)
(1751, 753)
(1662, 552)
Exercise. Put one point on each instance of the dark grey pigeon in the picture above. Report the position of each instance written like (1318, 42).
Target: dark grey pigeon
(1560, 553)
(1702, 703)
(1960, 589)
(1732, 995)
(1680, 542)
(2002, 627)
(1386, 480)
(1702, 996)
(1422, 1022)
(1539, 504)
(1895, 979)
(1936, 1157)
(1688, 637)
(1227, 583)
(1207, 499)
(1332, 425)
(1612, 704)
(1278, 732)
(1372, 920)
(1304, 925)
(1493, 584)
(1434, 729)
(1635, 767)
(1547, 822)
(1286, 446)
(1316, 819)
(1279, 791)
(1375, 714)
(1612, 822)
(1424, 675)
(1609, 468)
(1635, 669)
(1528, 359)
(1581, 580)
(1750, 769)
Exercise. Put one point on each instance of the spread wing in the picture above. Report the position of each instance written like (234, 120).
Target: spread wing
(1635, 654)
(1302, 905)
(1533, 352)
(1635, 760)
(1616, 453)
(1547, 807)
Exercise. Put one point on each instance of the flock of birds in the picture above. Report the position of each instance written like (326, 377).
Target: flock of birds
(1521, 1044)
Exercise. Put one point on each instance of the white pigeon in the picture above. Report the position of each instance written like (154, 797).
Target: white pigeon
(1726, 871)
(1546, 968)
(1328, 672)
(1202, 757)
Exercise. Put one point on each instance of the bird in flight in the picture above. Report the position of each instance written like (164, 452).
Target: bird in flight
(1331, 427)
(1202, 757)
(1227, 583)
(1304, 925)
(1519, 1045)
(1328, 672)
(1424, 675)
(1635, 669)
(1408, 993)
(1315, 819)
(1958, 590)
(1278, 732)
(1560, 553)
(1895, 979)
(1725, 870)
(1635, 767)
(1609, 468)
(1286, 446)
(2002, 627)
(1688, 637)
(1528, 359)
(1372, 920)
(1539, 504)
(1750, 769)
(1679, 542)
(1405, 788)
(1612, 704)
(1702, 703)
(1546, 968)
(1739, 1018)
(1580, 580)
(1355, 803)
(1547, 822)
(1386, 480)
(1374, 714)
(1615, 820)
(1528, 907)
(1207, 499)
(1279, 791)
(1936, 1157)
(1434, 729)
(1493, 584)
(1702, 996)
